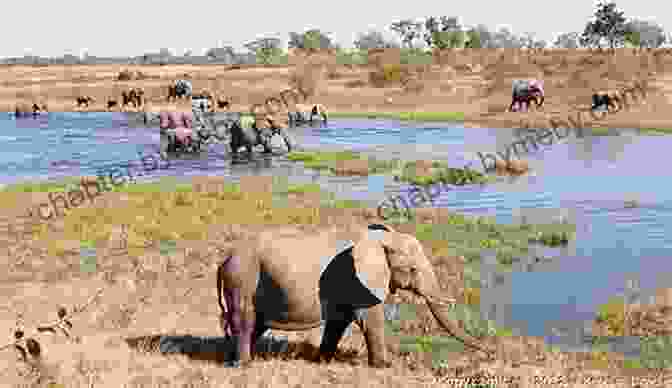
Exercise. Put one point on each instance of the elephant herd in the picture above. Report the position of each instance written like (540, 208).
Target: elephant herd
(524, 92)
(289, 279)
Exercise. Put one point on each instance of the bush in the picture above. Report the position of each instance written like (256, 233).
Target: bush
(125, 75)
(388, 74)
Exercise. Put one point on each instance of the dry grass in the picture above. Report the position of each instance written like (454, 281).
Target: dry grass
(157, 275)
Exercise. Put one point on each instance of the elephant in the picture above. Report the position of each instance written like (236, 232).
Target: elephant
(306, 112)
(223, 103)
(293, 280)
(111, 103)
(180, 88)
(245, 133)
(524, 91)
(608, 99)
(134, 96)
(85, 101)
(25, 110)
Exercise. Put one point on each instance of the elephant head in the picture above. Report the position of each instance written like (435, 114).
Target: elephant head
(536, 89)
(411, 270)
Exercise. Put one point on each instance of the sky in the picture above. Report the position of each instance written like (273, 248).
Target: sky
(132, 27)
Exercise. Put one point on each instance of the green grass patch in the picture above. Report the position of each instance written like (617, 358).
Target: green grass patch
(655, 131)
(468, 236)
(600, 131)
(327, 160)
(441, 173)
(403, 116)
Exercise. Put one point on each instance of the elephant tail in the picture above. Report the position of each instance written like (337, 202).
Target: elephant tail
(225, 309)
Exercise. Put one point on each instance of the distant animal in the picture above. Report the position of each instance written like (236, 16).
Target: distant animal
(223, 103)
(526, 91)
(134, 96)
(111, 103)
(25, 110)
(306, 113)
(608, 99)
(85, 101)
(180, 88)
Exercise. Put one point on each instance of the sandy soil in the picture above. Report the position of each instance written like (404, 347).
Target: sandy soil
(153, 294)
(476, 82)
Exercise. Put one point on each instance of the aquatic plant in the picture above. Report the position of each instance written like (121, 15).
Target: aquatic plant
(441, 173)
(333, 161)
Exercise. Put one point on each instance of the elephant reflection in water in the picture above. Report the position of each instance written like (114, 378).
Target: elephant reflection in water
(289, 279)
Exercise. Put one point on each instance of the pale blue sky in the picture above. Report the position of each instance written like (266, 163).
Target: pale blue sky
(50, 28)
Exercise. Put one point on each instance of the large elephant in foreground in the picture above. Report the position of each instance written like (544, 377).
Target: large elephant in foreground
(289, 279)
(524, 91)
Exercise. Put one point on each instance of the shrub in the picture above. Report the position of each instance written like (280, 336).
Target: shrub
(125, 75)
(388, 74)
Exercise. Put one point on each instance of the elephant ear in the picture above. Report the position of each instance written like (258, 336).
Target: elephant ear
(371, 264)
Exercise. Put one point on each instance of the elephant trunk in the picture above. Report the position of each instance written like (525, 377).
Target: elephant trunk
(439, 310)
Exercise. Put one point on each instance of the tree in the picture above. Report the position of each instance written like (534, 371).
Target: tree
(568, 40)
(479, 37)
(265, 49)
(408, 31)
(608, 24)
(313, 39)
(641, 33)
(504, 38)
(444, 32)
(372, 40)
(473, 39)
(530, 41)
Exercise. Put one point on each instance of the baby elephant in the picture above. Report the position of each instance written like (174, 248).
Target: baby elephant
(524, 92)
(608, 99)
(289, 279)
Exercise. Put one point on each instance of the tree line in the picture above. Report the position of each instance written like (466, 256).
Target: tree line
(608, 28)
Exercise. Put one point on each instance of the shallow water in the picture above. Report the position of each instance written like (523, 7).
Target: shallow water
(590, 178)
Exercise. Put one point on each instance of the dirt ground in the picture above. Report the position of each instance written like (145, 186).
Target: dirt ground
(475, 82)
(144, 296)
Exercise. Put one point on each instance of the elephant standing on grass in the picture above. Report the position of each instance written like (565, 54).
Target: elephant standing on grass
(292, 280)
(524, 91)
(180, 88)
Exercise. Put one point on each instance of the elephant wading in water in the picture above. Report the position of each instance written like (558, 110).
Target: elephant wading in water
(306, 113)
(524, 91)
(26, 110)
(292, 280)
(244, 133)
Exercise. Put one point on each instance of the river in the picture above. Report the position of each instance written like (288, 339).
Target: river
(587, 179)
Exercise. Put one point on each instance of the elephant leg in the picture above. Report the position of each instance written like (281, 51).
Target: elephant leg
(373, 327)
(242, 317)
(260, 328)
(339, 318)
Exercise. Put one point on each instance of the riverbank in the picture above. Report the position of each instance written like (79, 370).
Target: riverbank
(473, 87)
